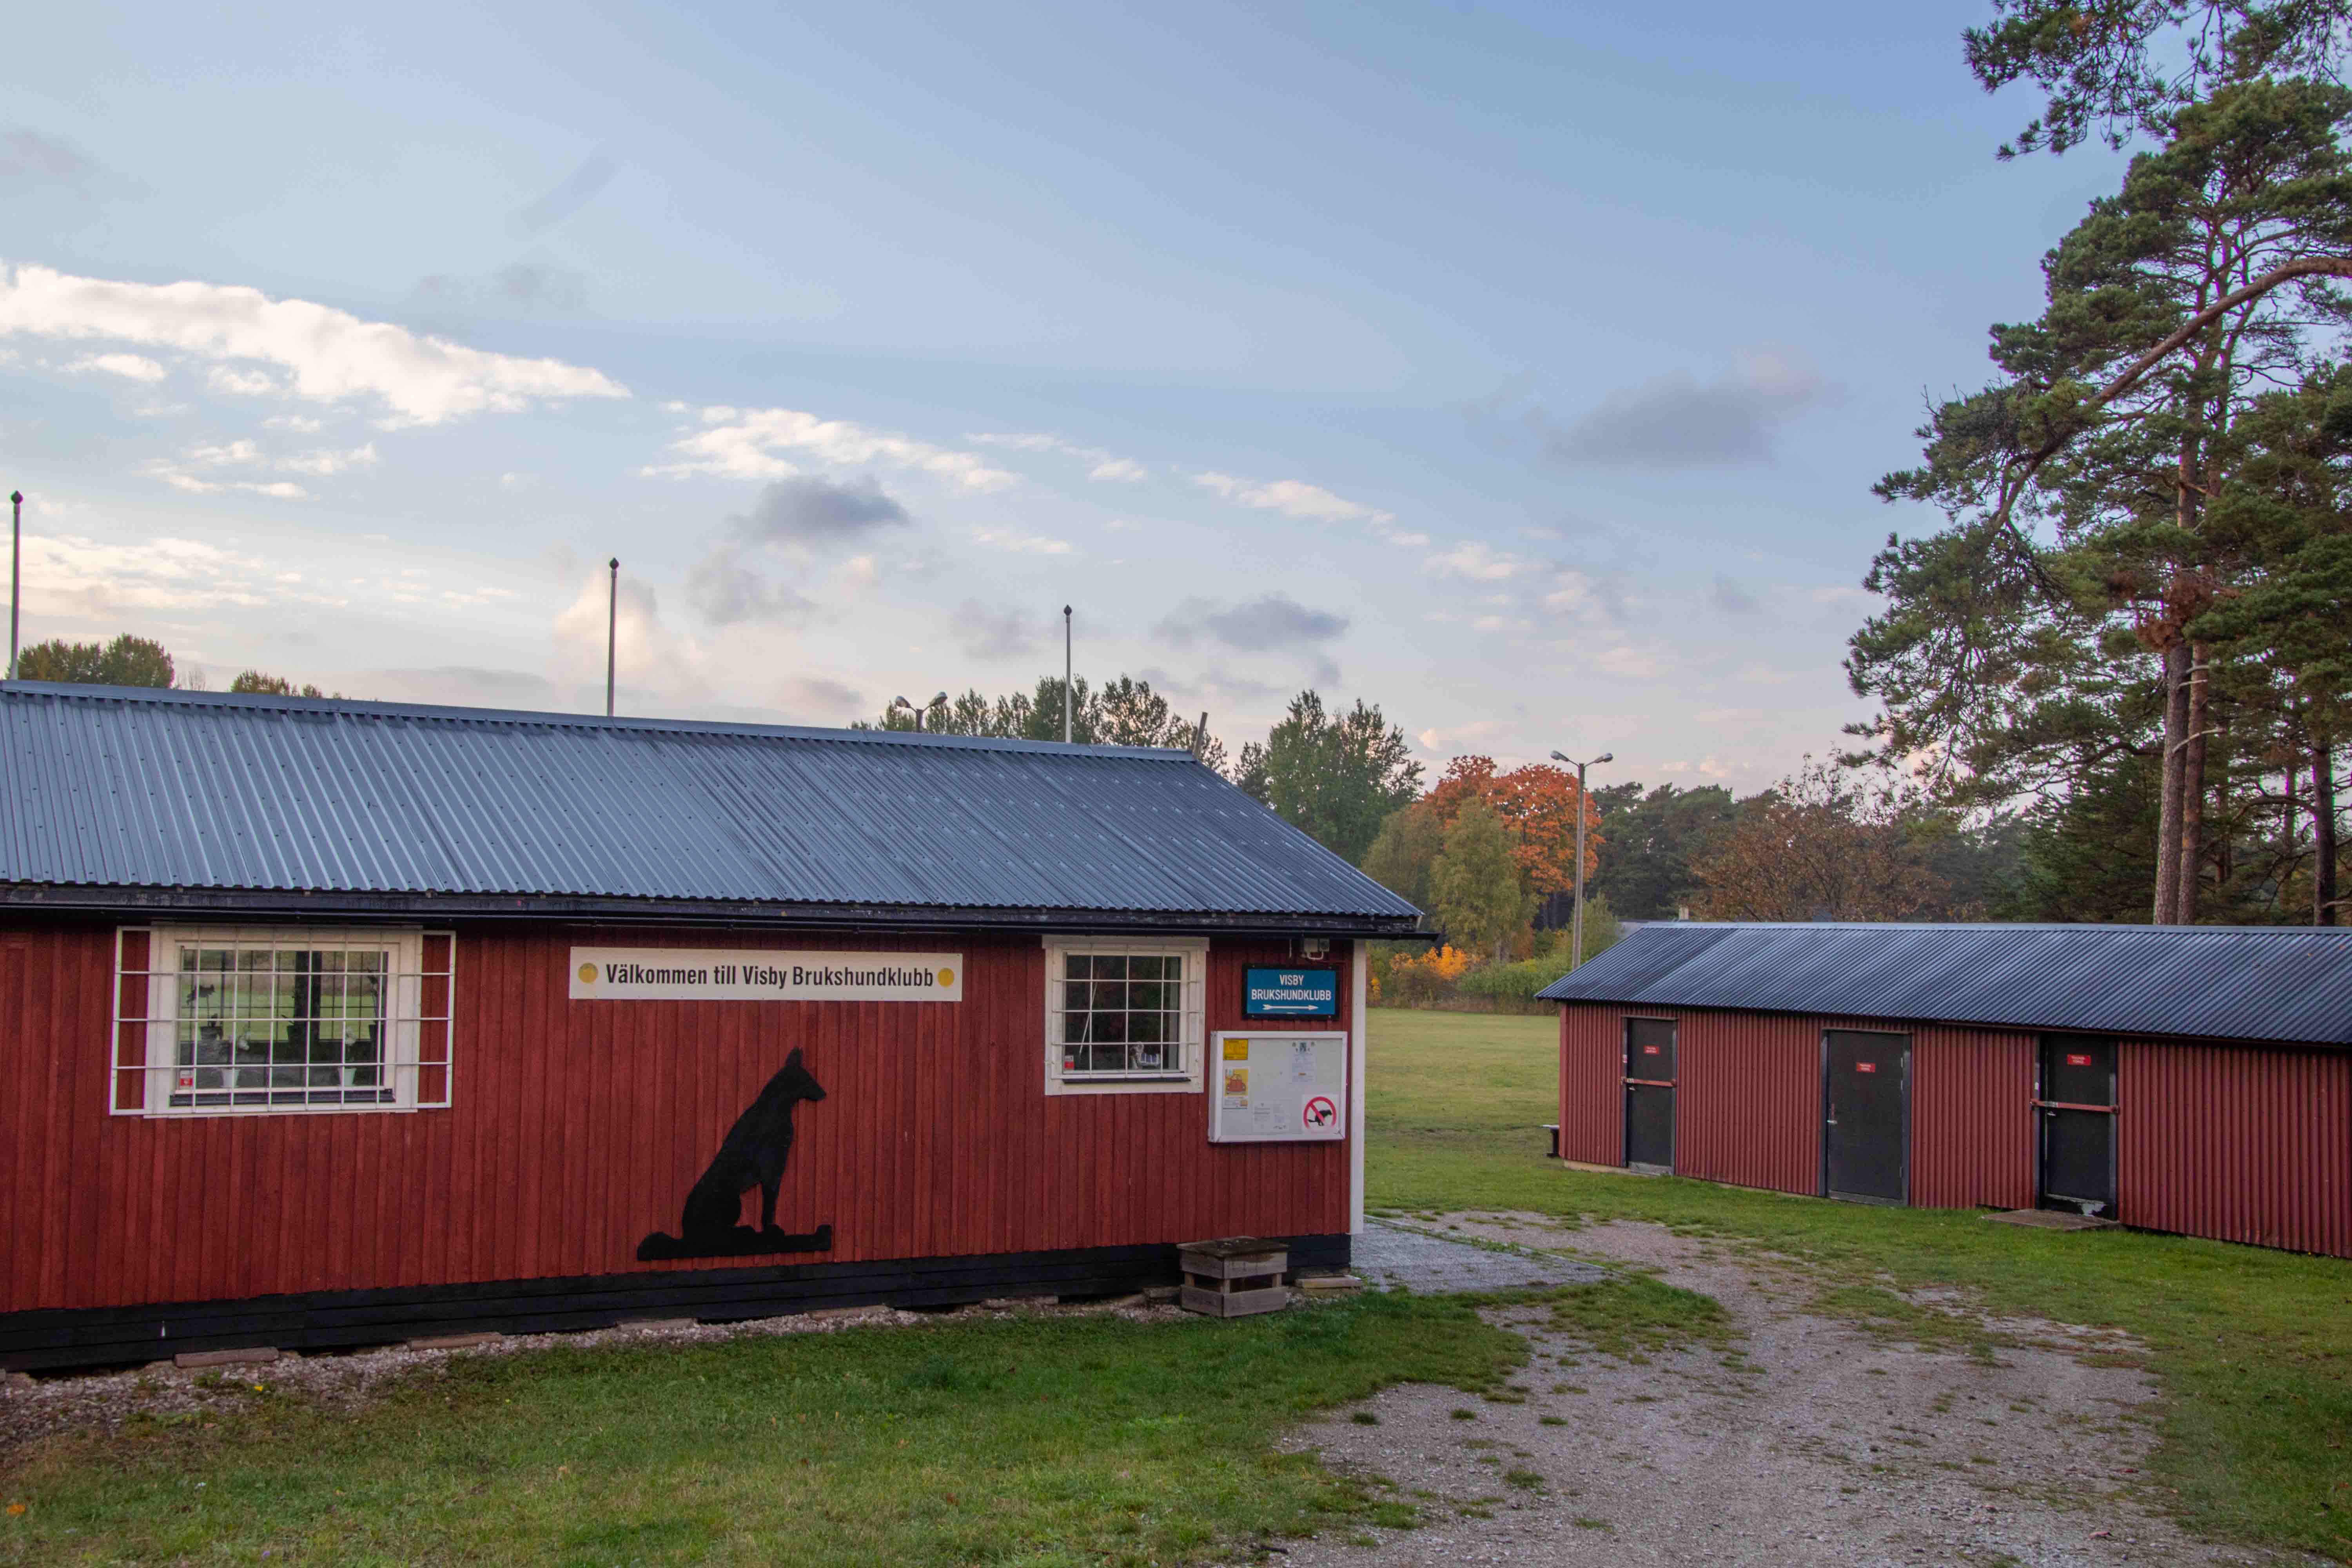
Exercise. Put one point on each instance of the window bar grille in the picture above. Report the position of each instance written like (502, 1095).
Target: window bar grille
(246, 1021)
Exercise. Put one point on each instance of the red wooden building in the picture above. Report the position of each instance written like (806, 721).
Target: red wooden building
(335, 1023)
(2193, 1079)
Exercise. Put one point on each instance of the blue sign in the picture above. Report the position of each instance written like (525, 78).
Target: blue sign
(1292, 993)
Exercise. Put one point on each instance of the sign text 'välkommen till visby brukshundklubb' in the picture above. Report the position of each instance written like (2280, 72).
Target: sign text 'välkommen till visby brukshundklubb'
(738, 974)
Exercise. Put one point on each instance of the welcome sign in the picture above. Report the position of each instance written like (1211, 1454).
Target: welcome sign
(740, 974)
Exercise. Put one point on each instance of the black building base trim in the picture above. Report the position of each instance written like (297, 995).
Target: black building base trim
(345, 1319)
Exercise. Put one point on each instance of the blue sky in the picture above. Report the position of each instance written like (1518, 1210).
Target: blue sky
(1523, 369)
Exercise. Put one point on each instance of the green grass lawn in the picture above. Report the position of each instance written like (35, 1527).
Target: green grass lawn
(2253, 1348)
(1033, 1440)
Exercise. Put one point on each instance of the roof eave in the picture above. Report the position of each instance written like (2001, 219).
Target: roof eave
(2006, 1025)
(183, 901)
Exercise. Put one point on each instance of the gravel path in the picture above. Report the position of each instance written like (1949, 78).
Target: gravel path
(1810, 1443)
(1387, 1256)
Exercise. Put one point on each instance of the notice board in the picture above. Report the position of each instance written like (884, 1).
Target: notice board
(1278, 1086)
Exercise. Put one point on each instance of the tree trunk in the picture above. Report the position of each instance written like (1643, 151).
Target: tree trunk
(2192, 788)
(2168, 816)
(2323, 813)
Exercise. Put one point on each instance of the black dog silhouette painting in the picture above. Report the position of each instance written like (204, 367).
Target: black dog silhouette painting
(753, 1156)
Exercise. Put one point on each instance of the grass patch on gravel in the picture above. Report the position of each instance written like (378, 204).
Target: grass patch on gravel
(1636, 1316)
(2253, 1348)
(1027, 1441)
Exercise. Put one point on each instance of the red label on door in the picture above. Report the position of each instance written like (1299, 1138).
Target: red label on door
(1649, 1050)
(2075, 1061)
(1865, 1067)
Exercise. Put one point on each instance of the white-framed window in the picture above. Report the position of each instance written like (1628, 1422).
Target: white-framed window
(1123, 1014)
(272, 1020)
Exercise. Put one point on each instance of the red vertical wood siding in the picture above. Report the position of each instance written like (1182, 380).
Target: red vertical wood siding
(2246, 1143)
(1748, 1099)
(1747, 1095)
(1972, 1131)
(578, 1127)
(1591, 1083)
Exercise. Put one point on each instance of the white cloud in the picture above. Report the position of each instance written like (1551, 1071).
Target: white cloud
(323, 354)
(280, 489)
(746, 443)
(300, 424)
(1443, 739)
(131, 368)
(1473, 561)
(236, 454)
(1839, 595)
(322, 462)
(1120, 525)
(516, 481)
(1407, 541)
(325, 461)
(160, 410)
(1706, 765)
(1032, 442)
(239, 381)
(1572, 590)
(1014, 540)
(1624, 659)
(1107, 465)
(1292, 498)
(152, 575)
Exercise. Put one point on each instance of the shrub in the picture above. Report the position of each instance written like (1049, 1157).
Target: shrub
(1419, 980)
(1511, 984)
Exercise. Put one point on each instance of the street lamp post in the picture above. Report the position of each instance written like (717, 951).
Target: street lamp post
(1576, 934)
(898, 703)
(612, 633)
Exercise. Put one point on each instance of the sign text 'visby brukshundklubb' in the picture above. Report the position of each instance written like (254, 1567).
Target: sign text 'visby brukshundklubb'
(749, 974)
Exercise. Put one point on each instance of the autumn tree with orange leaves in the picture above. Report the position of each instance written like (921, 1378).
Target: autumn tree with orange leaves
(1538, 804)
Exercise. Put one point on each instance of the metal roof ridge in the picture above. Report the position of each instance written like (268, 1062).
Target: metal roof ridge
(1978, 925)
(516, 718)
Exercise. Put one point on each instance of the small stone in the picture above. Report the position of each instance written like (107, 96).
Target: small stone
(661, 1323)
(840, 1312)
(20, 1380)
(257, 1356)
(1161, 1295)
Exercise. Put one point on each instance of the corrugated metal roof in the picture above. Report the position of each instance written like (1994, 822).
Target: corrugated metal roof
(2248, 983)
(107, 787)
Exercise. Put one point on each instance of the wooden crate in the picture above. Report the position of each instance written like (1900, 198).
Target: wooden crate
(1234, 1277)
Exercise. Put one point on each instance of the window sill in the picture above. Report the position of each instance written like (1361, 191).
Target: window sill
(211, 1112)
(1125, 1083)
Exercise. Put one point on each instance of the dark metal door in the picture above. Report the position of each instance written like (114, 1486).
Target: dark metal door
(2077, 1110)
(1650, 1092)
(1866, 1138)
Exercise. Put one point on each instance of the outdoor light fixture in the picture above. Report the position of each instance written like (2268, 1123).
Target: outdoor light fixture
(898, 703)
(1576, 931)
